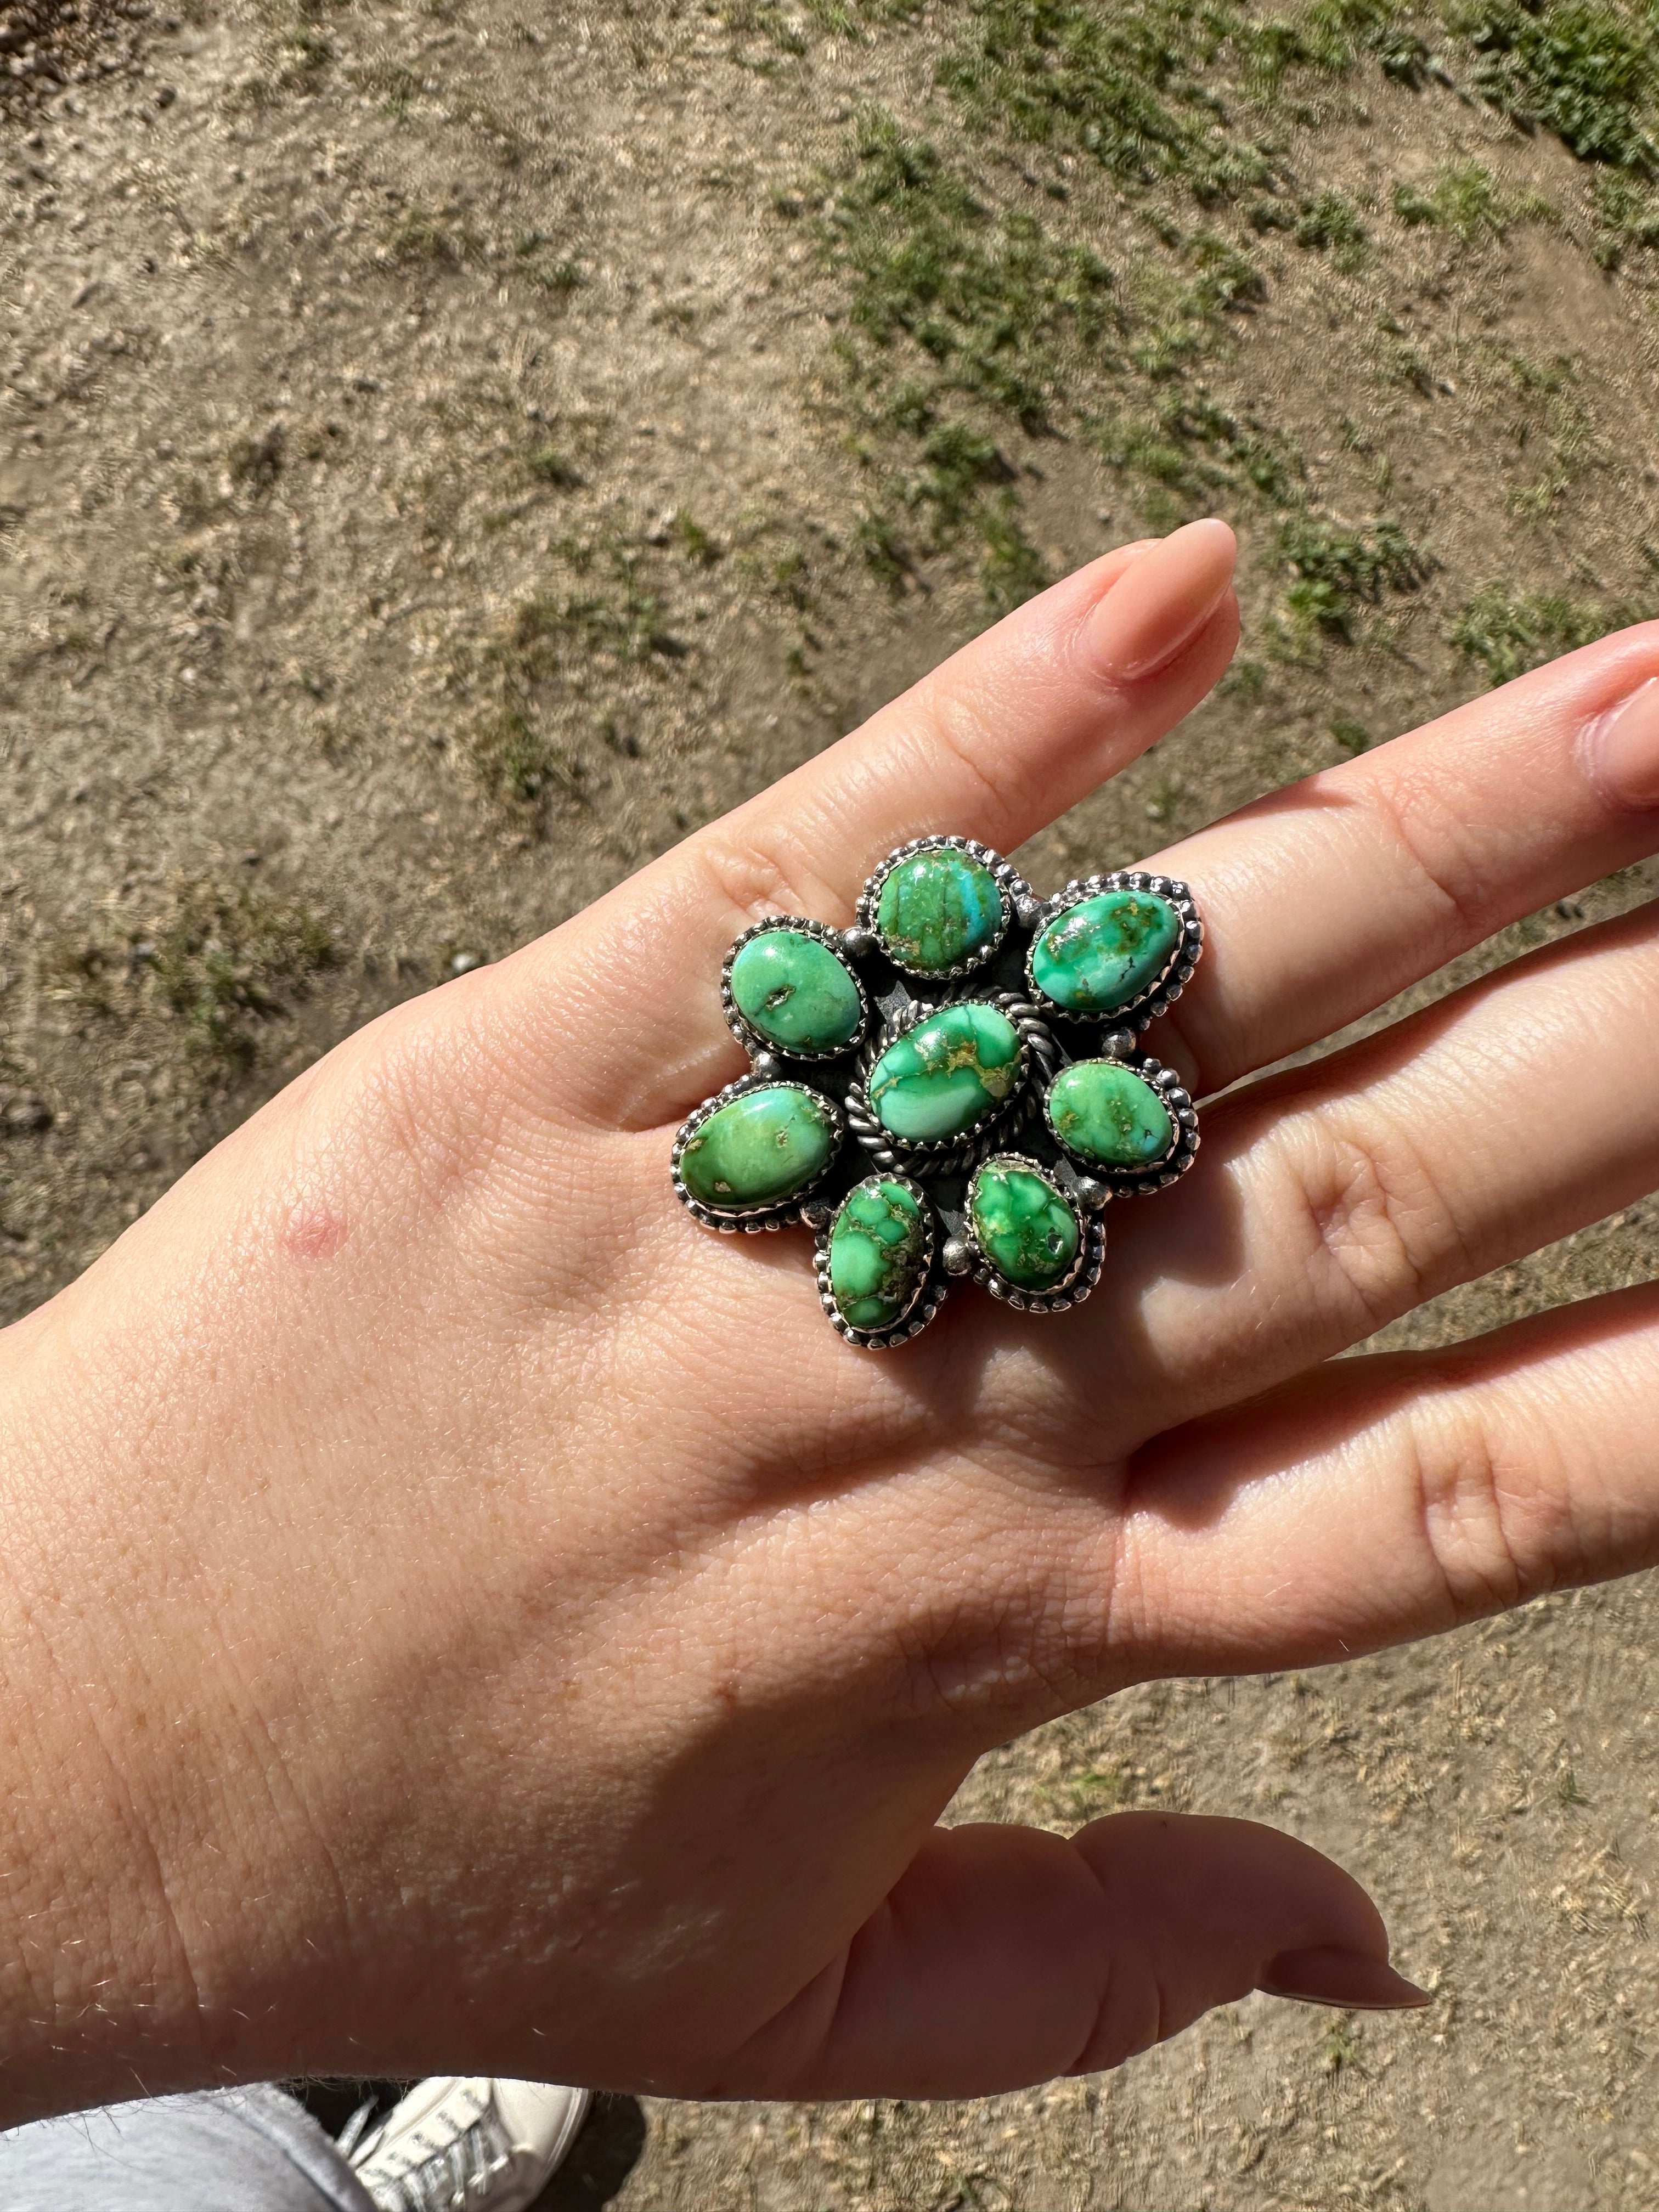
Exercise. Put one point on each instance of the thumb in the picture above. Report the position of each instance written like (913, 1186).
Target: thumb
(1006, 1955)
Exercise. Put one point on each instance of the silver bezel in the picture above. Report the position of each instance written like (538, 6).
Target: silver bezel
(1160, 994)
(931, 1291)
(1084, 1270)
(1158, 1174)
(1011, 883)
(1039, 1057)
(753, 1041)
(754, 1217)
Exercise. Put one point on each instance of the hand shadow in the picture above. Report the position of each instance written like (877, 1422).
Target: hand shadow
(603, 2157)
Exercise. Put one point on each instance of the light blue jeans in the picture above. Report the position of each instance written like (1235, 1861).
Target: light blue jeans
(223, 2150)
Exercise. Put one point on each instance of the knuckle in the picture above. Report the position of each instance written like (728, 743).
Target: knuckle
(1415, 808)
(1382, 1233)
(951, 722)
(764, 872)
(1471, 1507)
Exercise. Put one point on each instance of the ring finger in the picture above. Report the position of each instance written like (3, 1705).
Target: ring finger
(1333, 1198)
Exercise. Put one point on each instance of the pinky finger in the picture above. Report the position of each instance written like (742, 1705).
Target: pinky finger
(1384, 1499)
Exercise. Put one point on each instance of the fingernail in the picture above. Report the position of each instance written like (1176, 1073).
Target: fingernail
(1350, 1980)
(1162, 602)
(1624, 748)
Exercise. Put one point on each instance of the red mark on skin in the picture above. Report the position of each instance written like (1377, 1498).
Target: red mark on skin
(314, 1233)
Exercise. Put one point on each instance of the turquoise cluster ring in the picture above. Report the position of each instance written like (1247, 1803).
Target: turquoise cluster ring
(953, 1088)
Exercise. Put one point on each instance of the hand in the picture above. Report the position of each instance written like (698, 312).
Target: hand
(460, 1615)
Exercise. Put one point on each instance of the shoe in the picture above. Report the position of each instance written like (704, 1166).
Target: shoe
(468, 2144)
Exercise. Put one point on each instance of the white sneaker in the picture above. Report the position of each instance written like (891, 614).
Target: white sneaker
(458, 2144)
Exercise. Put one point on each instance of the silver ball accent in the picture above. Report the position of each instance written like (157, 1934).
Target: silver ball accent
(1029, 911)
(1118, 1044)
(768, 1063)
(816, 1213)
(859, 941)
(1092, 1194)
(957, 1256)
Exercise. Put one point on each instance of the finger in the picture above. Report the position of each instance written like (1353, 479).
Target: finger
(1333, 1198)
(1006, 1956)
(999, 741)
(1323, 900)
(1389, 1497)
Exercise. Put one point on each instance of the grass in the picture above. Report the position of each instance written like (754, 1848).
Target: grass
(1187, 450)
(1505, 632)
(1465, 199)
(549, 466)
(990, 301)
(227, 960)
(1120, 84)
(1011, 568)
(1336, 571)
(1588, 71)
(437, 238)
(520, 763)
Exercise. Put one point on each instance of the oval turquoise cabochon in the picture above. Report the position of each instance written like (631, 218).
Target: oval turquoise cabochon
(1109, 1116)
(759, 1148)
(1105, 951)
(948, 1072)
(1024, 1223)
(938, 910)
(879, 1251)
(796, 992)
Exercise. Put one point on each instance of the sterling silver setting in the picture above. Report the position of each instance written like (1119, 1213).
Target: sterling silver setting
(1017, 896)
(1156, 1175)
(1173, 978)
(931, 1289)
(938, 1172)
(1084, 1270)
(798, 1205)
(1038, 1055)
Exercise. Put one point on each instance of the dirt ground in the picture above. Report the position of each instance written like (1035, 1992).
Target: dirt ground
(449, 449)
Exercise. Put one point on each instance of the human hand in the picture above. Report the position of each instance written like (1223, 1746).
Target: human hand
(458, 1615)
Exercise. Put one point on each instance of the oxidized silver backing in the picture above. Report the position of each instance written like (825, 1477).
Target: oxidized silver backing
(1084, 1270)
(1166, 987)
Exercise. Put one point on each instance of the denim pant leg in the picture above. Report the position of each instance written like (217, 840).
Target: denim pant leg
(223, 2150)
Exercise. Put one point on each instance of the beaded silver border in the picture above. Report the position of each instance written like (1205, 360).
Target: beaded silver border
(1039, 1057)
(1019, 902)
(931, 1291)
(754, 1217)
(1156, 1174)
(755, 1044)
(1162, 992)
(1084, 1270)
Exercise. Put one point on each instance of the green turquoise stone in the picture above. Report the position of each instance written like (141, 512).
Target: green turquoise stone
(1107, 1114)
(879, 1250)
(951, 1071)
(1105, 951)
(1023, 1225)
(759, 1148)
(797, 993)
(936, 909)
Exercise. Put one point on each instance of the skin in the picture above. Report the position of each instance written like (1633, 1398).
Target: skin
(458, 1614)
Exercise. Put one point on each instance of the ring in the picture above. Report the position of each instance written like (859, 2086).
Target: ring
(979, 1046)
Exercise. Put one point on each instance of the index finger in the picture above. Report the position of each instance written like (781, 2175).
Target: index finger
(995, 743)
